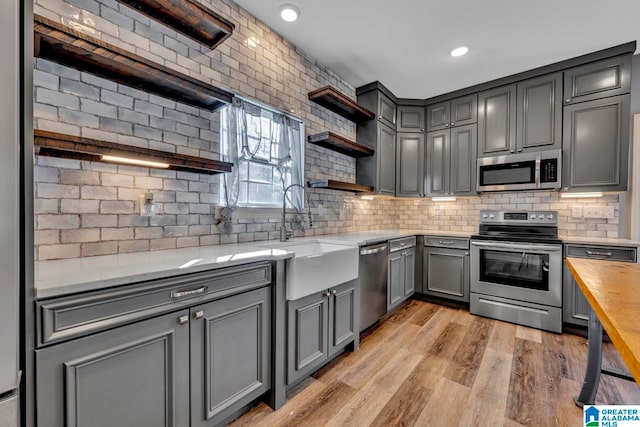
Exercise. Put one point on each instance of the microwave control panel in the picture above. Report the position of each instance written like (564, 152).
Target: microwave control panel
(549, 170)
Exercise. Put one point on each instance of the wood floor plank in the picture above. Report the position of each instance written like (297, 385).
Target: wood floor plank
(423, 313)
(402, 313)
(445, 406)
(528, 398)
(367, 367)
(492, 386)
(367, 403)
(405, 406)
(526, 333)
(503, 336)
(466, 360)
(431, 329)
(319, 411)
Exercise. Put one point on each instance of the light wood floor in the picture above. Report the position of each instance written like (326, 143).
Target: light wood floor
(430, 365)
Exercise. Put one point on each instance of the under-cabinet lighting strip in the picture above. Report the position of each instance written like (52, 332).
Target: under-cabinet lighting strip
(118, 159)
(579, 195)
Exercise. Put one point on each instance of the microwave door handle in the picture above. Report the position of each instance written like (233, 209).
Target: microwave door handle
(516, 247)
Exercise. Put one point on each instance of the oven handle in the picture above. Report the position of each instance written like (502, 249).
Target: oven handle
(517, 247)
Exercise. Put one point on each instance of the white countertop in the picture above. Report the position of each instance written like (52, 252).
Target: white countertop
(67, 276)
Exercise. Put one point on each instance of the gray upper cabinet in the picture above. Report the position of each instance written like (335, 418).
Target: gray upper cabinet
(230, 355)
(386, 110)
(497, 121)
(410, 165)
(410, 119)
(609, 77)
(539, 122)
(451, 161)
(457, 112)
(596, 145)
(90, 381)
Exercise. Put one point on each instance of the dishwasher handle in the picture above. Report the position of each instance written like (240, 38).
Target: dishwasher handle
(374, 250)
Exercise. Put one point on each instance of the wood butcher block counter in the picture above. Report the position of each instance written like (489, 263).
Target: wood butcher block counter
(612, 290)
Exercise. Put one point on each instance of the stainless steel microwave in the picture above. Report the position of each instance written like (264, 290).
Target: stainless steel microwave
(526, 171)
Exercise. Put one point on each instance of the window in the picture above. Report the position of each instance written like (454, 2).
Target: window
(266, 157)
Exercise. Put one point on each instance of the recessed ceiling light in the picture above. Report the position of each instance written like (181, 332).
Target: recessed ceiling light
(459, 51)
(289, 12)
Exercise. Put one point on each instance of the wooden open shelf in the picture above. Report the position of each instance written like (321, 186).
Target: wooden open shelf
(339, 103)
(61, 44)
(76, 147)
(188, 17)
(330, 184)
(340, 144)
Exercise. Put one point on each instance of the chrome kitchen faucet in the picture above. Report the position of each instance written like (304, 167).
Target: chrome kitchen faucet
(284, 233)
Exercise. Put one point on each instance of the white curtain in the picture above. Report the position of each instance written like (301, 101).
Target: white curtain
(246, 132)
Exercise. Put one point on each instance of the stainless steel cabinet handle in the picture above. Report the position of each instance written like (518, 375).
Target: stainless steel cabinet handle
(327, 294)
(445, 242)
(334, 292)
(183, 320)
(513, 151)
(373, 251)
(567, 100)
(199, 314)
(453, 124)
(519, 150)
(181, 294)
(597, 253)
(446, 125)
(466, 254)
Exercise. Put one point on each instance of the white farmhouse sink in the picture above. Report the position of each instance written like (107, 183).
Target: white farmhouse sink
(317, 266)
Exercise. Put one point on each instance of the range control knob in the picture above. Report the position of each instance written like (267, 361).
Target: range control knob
(485, 216)
(533, 216)
(492, 216)
(550, 216)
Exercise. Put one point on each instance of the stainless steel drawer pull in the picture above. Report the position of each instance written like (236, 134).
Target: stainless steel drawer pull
(199, 314)
(445, 242)
(597, 253)
(183, 320)
(181, 294)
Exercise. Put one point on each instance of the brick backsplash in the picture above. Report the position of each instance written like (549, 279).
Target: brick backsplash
(86, 208)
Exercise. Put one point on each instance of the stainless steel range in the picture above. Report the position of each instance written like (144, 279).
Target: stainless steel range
(516, 268)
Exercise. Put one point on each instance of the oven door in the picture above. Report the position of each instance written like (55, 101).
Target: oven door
(529, 272)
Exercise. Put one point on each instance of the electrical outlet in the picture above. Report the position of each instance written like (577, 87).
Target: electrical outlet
(576, 212)
(147, 207)
(598, 212)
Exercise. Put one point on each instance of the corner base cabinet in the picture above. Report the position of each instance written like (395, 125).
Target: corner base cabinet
(319, 326)
(446, 268)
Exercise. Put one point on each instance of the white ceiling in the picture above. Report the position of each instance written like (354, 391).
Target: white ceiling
(405, 44)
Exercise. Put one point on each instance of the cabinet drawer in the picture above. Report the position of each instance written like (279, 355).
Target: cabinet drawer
(611, 253)
(446, 242)
(404, 243)
(68, 317)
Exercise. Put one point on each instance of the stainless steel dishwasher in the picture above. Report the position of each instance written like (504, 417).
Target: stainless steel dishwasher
(372, 271)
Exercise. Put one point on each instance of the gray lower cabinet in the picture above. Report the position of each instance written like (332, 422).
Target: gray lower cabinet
(609, 77)
(596, 145)
(319, 326)
(230, 355)
(575, 308)
(497, 121)
(445, 268)
(451, 161)
(10, 411)
(401, 272)
(410, 165)
(135, 375)
(539, 113)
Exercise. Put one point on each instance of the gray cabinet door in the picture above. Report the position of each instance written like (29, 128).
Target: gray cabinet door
(462, 177)
(497, 121)
(540, 113)
(395, 284)
(386, 110)
(575, 308)
(386, 154)
(596, 145)
(438, 116)
(230, 355)
(307, 335)
(609, 77)
(410, 165)
(446, 273)
(464, 110)
(343, 314)
(135, 375)
(438, 164)
(409, 272)
(410, 119)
